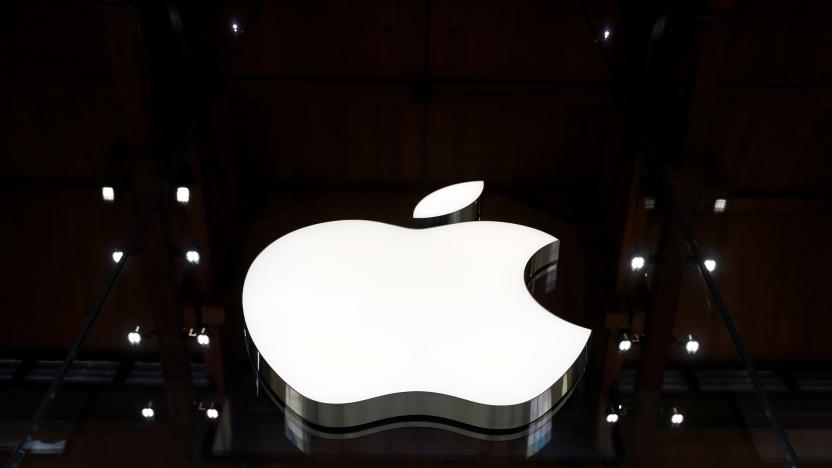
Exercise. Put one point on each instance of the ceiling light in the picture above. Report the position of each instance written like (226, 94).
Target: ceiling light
(612, 417)
(720, 204)
(691, 344)
(710, 264)
(607, 33)
(134, 337)
(637, 263)
(192, 256)
(148, 412)
(117, 255)
(625, 343)
(202, 338)
(235, 28)
(676, 418)
(183, 195)
(108, 194)
(212, 413)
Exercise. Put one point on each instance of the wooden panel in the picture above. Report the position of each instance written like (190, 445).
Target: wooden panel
(325, 134)
(335, 38)
(57, 129)
(774, 140)
(770, 270)
(527, 39)
(59, 248)
(555, 138)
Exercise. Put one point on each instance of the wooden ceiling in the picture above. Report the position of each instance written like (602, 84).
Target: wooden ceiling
(353, 109)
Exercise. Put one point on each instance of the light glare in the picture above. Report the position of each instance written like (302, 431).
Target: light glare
(637, 263)
(607, 33)
(212, 413)
(134, 338)
(677, 418)
(192, 256)
(117, 254)
(692, 345)
(710, 264)
(183, 195)
(203, 339)
(235, 27)
(625, 345)
(612, 418)
(108, 194)
(148, 412)
(720, 204)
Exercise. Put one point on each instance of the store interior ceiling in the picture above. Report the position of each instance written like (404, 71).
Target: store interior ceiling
(355, 110)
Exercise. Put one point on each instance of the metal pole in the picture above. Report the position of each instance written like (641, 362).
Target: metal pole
(46, 401)
(679, 215)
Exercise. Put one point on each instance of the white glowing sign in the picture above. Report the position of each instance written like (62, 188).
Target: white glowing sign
(355, 312)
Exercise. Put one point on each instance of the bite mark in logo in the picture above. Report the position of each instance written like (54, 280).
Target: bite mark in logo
(354, 322)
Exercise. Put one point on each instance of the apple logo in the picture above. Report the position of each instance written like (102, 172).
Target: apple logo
(356, 322)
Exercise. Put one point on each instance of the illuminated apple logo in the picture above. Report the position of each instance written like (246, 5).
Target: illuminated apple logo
(354, 322)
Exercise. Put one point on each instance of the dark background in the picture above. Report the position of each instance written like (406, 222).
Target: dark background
(337, 110)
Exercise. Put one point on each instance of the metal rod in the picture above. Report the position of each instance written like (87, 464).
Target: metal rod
(46, 401)
(679, 214)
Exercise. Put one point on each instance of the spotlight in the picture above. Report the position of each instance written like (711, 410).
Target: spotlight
(625, 342)
(202, 338)
(192, 256)
(691, 344)
(710, 264)
(134, 337)
(212, 413)
(108, 194)
(607, 33)
(200, 335)
(637, 263)
(147, 412)
(720, 204)
(183, 195)
(117, 254)
(676, 417)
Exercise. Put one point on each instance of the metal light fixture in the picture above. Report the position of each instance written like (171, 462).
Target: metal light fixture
(148, 412)
(637, 263)
(200, 335)
(108, 194)
(626, 340)
(183, 195)
(691, 344)
(134, 336)
(192, 256)
(117, 255)
(676, 417)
